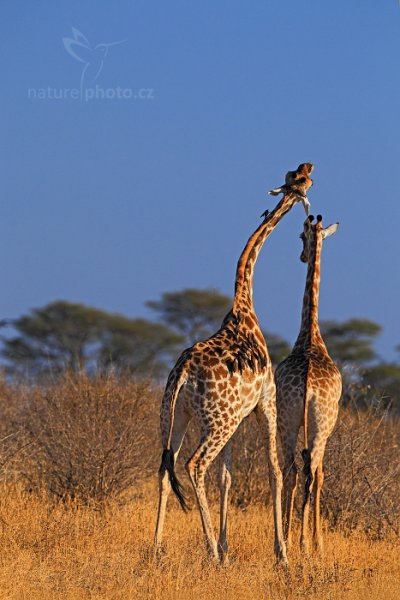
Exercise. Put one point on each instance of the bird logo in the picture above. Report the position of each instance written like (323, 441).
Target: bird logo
(92, 57)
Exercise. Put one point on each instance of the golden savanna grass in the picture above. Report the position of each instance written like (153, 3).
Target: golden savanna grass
(51, 551)
(78, 503)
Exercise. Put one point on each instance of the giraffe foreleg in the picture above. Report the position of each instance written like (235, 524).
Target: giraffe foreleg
(225, 479)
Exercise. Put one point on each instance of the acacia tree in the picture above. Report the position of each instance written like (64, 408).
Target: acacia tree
(351, 342)
(57, 337)
(195, 314)
(278, 347)
(384, 381)
(139, 346)
(67, 336)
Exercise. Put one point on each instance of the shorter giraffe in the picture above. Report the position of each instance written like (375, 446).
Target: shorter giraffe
(308, 386)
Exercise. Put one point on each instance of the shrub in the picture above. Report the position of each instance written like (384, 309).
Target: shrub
(89, 438)
(92, 439)
(362, 466)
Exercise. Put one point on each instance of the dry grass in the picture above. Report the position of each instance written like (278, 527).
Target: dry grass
(53, 551)
(96, 542)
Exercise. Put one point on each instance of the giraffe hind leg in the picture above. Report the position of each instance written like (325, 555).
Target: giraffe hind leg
(164, 475)
(309, 481)
(164, 490)
(289, 491)
(225, 479)
(317, 536)
(312, 459)
(266, 418)
(290, 476)
(209, 448)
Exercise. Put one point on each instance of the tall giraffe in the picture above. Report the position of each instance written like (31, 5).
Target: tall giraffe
(219, 382)
(308, 389)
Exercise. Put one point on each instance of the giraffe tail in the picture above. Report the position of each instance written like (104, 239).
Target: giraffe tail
(305, 453)
(168, 458)
(167, 464)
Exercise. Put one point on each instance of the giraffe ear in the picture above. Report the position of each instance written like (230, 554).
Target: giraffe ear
(329, 230)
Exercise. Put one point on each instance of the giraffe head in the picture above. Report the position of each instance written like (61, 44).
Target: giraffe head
(300, 177)
(299, 182)
(312, 232)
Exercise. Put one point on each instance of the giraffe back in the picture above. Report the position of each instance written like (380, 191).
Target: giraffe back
(225, 376)
(308, 379)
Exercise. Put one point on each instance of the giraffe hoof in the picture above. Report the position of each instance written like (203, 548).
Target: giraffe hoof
(319, 549)
(223, 554)
(213, 555)
(158, 553)
(282, 561)
(224, 560)
(280, 553)
(304, 547)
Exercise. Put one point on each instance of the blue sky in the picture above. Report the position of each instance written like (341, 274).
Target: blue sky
(112, 201)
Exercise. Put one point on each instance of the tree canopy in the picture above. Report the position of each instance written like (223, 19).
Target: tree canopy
(351, 341)
(139, 346)
(278, 347)
(67, 336)
(384, 380)
(195, 314)
(57, 337)
(70, 336)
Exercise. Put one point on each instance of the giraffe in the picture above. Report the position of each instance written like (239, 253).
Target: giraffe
(219, 382)
(308, 389)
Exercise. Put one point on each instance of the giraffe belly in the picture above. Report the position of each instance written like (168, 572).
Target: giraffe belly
(250, 394)
(232, 399)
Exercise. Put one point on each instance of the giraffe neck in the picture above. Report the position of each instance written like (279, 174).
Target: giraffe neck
(243, 301)
(309, 330)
